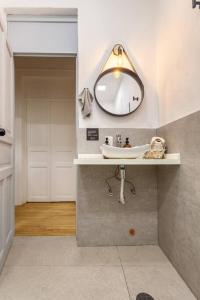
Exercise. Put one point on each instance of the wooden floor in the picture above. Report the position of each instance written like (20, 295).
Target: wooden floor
(46, 219)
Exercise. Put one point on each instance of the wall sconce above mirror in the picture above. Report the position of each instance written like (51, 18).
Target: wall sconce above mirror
(118, 90)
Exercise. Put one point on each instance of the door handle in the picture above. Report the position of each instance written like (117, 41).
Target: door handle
(2, 132)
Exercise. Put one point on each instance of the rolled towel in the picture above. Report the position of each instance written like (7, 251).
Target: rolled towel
(86, 99)
(157, 149)
(158, 144)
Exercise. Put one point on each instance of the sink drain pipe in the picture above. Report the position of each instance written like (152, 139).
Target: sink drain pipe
(122, 177)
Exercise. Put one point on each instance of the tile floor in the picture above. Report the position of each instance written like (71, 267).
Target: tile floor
(54, 268)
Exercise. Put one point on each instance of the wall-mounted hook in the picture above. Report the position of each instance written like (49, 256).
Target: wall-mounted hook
(195, 3)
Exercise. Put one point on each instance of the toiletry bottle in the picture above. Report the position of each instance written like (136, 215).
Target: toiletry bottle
(107, 141)
(127, 144)
(110, 140)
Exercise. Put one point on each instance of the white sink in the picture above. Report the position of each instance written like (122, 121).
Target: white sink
(116, 152)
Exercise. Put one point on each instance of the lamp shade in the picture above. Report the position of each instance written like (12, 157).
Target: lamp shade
(118, 59)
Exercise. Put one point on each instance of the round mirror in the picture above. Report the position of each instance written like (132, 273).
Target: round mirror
(119, 91)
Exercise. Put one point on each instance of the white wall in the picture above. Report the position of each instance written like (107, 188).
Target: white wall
(178, 60)
(36, 37)
(101, 24)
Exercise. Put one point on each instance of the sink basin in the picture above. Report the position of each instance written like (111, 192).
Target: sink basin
(116, 152)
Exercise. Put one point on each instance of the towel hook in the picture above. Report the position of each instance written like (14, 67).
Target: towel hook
(195, 3)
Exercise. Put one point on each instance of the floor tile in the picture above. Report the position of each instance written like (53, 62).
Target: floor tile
(32, 240)
(59, 252)
(63, 283)
(45, 268)
(68, 241)
(162, 282)
(142, 255)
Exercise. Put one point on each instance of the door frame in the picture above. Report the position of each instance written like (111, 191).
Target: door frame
(71, 14)
(75, 56)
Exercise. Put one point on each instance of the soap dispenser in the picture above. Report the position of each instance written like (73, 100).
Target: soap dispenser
(106, 141)
(127, 144)
(109, 140)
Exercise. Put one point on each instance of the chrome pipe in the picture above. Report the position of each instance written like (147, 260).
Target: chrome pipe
(122, 179)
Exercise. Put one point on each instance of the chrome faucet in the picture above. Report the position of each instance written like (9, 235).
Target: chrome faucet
(119, 140)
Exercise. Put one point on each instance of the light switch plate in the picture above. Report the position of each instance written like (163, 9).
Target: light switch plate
(92, 134)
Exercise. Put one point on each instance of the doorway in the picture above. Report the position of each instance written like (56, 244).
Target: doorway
(45, 145)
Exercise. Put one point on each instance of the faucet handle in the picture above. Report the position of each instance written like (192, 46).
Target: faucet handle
(119, 140)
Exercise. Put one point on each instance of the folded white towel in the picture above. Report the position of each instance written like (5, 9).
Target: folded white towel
(158, 144)
(86, 99)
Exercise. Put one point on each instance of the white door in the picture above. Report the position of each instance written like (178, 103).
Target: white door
(6, 148)
(62, 139)
(51, 149)
(38, 141)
